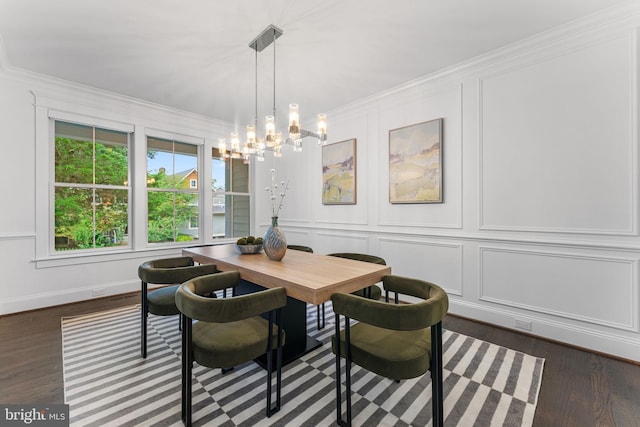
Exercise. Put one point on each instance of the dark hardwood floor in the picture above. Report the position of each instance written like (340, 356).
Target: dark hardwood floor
(579, 388)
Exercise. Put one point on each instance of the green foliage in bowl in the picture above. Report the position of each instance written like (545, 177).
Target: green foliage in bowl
(249, 245)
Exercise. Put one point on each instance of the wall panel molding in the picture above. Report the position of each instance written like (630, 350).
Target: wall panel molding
(577, 286)
(17, 236)
(444, 264)
(444, 100)
(542, 149)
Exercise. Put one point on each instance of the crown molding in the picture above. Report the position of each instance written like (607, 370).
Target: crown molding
(612, 21)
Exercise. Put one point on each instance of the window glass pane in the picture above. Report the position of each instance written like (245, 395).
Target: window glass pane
(219, 216)
(73, 161)
(186, 170)
(112, 137)
(186, 210)
(74, 131)
(161, 221)
(112, 164)
(171, 164)
(218, 177)
(170, 217)
(239, 176)
(238, 212)
(112, 213)
(75, 227)
(73, 218)
(231, 213)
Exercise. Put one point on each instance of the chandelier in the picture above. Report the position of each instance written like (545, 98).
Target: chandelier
(273, 139)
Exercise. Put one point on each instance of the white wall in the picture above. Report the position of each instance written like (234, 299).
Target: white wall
(32, 276)
(540, 215)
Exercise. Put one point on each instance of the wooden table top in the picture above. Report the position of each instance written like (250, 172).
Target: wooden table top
(308, 277)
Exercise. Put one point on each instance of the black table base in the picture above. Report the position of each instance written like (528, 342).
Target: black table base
(294, 314)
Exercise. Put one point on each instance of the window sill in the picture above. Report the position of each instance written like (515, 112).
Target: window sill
(79, 258)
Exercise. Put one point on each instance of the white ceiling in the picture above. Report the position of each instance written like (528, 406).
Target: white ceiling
(193, 54)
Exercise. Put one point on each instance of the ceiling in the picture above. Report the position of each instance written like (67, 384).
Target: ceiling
(193, 55)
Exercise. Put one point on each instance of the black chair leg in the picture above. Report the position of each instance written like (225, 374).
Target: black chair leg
(269, 362)
(279, 359)
(187, 370)
(436, 376)
(320, 316)
(386, 297)
(338, 374)
(347, 350)
(273, 409)
(144, 310)
(347, 369)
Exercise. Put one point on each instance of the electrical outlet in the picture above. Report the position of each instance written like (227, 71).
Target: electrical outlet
(97, 292)
(523, 324)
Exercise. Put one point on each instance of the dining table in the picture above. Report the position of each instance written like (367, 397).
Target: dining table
(309, 278)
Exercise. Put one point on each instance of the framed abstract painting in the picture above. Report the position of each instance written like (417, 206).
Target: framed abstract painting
(415, 163)
(339, 173)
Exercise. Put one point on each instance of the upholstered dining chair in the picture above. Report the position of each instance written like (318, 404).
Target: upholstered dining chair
(397, 341)
(319, 308)
(229, 331)
(162, 301)
(300, 248)
(372, 292)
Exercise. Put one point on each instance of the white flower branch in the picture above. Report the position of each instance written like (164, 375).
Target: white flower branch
(273, 190)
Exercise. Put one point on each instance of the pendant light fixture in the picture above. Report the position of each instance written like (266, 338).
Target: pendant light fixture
(273, 140)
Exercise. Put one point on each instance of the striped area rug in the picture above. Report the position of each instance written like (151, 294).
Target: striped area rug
(107, 383)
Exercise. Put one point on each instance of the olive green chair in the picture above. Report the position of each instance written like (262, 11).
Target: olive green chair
(372, 292)
(397, 341)
(229, 331)
(318, 307)
(162, 301)
(300, 248)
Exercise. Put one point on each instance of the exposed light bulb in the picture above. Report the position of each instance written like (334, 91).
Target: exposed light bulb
(294, 121)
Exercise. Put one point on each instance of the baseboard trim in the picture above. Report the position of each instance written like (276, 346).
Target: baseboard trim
(68, 296)
(551, 340)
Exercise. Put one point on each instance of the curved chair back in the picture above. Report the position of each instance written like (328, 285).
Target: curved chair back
(360, 257)
(372, 292)
(192, 302)
(230, 331)
(161, 302)
(397, 341)
(300, 248)
(170, 271)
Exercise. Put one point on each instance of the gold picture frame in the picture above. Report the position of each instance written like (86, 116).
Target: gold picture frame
(339, 185)
(415, 163)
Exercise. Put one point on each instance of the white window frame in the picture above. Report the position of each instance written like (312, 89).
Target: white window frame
(55, 185)
(45, 118)
(107, 113)
(183, 139)
(248, 194)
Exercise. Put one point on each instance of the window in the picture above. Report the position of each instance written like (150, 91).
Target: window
(231, 198)
(193, 183)
(90, 192)
(171, 199)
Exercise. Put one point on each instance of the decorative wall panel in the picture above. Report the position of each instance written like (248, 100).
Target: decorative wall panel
(557, 151)
(595, 289)
(436, 262)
